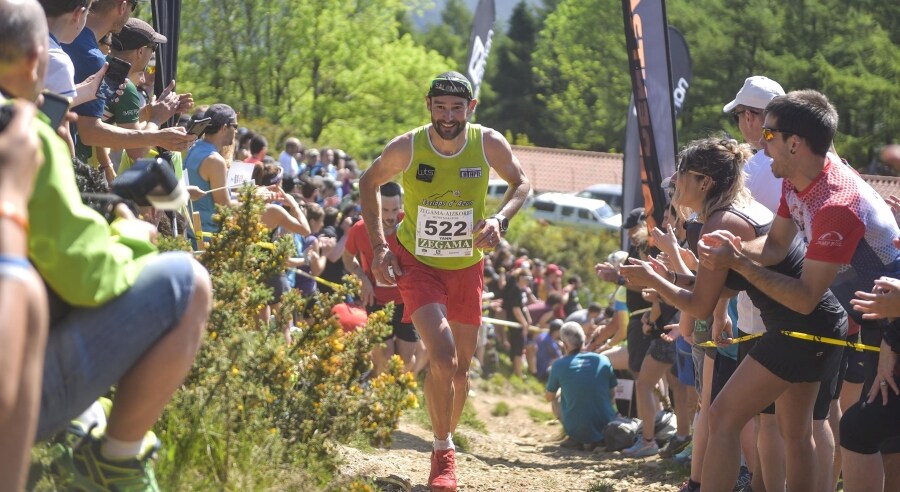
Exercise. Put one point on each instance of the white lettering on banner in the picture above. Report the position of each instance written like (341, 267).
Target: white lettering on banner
(480, 52)
(443, 232)
(680, 92)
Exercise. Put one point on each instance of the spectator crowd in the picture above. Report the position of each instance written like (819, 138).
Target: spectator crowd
(739, 313)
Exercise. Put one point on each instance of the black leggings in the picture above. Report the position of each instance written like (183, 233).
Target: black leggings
(865, 427)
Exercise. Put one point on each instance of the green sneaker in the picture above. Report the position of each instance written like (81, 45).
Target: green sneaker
(86, 469)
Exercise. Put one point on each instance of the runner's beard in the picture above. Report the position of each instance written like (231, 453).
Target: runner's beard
(445, 132)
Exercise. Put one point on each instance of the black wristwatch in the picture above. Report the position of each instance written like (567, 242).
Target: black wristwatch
(504, 222)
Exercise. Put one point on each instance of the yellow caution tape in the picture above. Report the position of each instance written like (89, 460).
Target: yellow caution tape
(832, 341)
(744, 338)
(317, 279)
(801, 336)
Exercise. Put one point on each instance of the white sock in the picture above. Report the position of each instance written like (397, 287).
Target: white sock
(115, 449)
(442, 444)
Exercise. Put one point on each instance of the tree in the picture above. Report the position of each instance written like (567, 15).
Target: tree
(513, 104)
(450, 38)
(329, 69)
(582, 68)
(837, 48)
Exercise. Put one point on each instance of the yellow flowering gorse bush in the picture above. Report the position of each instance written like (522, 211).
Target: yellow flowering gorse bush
(252, 401)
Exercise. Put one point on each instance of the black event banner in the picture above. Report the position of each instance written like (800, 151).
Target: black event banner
(647, 43)
(682, 74)
(480, 43)
(166, 21)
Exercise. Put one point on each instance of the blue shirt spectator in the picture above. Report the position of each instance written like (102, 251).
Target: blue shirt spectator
(587, 385)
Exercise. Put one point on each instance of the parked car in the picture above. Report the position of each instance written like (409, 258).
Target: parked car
(497, 188)
(566, 209)
(609, 193)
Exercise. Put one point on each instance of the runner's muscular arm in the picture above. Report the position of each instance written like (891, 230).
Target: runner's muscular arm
(501, 159)
(391, 162)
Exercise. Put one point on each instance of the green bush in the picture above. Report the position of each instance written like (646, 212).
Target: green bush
(256, 412)
(576, 250)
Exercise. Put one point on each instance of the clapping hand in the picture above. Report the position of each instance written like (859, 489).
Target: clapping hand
(882, 302)
(718, 250)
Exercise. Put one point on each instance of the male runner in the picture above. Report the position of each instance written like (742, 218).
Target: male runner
(437, 258)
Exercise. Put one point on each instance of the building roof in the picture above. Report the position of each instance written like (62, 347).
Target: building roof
(884, 185)
(567, 170)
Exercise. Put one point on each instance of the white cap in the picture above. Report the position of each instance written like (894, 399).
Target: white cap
(756, 93)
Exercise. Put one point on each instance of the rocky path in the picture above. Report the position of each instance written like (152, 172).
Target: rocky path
(515, 453)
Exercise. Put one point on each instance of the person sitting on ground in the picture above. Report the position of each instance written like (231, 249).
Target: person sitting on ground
(581, 388)
(97, 276)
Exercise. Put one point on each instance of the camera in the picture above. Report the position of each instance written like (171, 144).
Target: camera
(151, 183)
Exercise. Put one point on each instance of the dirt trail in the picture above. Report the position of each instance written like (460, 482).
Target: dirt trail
(516, 453)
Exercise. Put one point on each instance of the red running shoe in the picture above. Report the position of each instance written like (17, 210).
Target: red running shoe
(434, 467)
(444, 474)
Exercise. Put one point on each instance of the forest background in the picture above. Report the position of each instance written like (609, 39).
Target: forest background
(352, 74)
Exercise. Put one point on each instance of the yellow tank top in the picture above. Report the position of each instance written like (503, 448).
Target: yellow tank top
(443, 200)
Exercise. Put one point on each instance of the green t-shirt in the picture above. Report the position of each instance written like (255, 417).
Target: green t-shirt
(443, 200)
(124, 111)
(83, 259)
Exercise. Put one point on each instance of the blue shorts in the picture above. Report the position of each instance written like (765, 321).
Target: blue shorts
(684, 362)
(90, 349)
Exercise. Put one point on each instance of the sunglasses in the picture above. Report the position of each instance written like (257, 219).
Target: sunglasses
(152, 46)
(135, 7)
(738, 114)
(769, 133)
(682, 169)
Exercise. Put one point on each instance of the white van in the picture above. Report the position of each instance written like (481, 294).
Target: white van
(497, 189)
(609, 193)
(565, 209)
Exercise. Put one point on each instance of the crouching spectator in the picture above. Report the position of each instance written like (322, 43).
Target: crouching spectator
(120, 313)
(581, 388)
